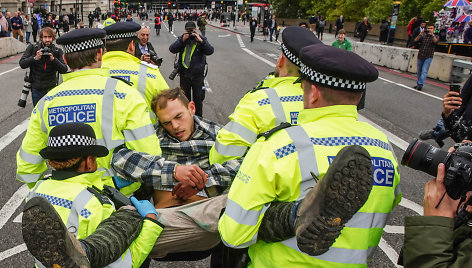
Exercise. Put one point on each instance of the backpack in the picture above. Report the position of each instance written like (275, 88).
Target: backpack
(321, 24)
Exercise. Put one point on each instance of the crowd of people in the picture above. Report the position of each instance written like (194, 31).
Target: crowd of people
(292, 181)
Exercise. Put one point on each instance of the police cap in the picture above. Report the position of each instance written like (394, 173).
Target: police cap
(336, 68)
(72, 140)
(122, 30)
(81, 39)
(295, 38)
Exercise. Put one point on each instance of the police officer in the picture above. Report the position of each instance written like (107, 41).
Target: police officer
(72, 151)
(287, 164)
(274, 101)
(115, 110)
(122, 63)
(109, 21)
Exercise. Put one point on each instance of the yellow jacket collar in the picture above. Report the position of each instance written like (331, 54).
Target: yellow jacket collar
(93, 178)
(121, 55)
(95, 71)
(310, 115)
(278, 81)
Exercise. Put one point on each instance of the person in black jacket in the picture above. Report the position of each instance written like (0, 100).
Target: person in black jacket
(252, 27)
(363, 28)
(143, 48)
(43, 69)
(34, 20)
(193, 49)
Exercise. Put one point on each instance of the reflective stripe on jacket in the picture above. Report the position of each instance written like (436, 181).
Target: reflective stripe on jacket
(114, 110)
(82, 212)
(278, 169)
(145, 77)
(258, 111)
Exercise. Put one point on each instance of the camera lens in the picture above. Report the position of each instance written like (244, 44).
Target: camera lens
(422, 156)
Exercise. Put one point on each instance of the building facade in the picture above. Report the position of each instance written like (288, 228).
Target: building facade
(56, 6)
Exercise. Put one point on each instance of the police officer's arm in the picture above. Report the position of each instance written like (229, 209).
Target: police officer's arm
(59, 62)
(28, 57)
(240, 133)
(250, 195)
(144, 243)
(30, 165)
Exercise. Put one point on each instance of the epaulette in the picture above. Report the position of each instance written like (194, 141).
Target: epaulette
(150, 65)
(103, 199)
(269, 133)
(258, 88)
(122, 80)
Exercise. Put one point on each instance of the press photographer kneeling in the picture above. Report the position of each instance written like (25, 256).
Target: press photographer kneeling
(443, 236)
(45, 60)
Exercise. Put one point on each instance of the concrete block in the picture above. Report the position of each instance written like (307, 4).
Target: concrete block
(391, 57)
(440, 67)
(10, 46)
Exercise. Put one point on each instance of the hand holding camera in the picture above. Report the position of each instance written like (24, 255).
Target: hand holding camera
(451, 101)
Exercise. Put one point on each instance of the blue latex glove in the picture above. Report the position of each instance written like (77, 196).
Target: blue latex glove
(144, 207)
(121, 183)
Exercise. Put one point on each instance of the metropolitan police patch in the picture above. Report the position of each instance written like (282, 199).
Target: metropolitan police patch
(80, 113)
(294, 118)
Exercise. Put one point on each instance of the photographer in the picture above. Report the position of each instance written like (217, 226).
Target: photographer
(144, 49)
(431, 240)
(193, 49)
(44, 60)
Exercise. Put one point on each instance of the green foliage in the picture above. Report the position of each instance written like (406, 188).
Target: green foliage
(355, 10)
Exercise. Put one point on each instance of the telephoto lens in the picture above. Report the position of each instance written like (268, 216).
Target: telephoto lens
(424, 157)
(24, 92)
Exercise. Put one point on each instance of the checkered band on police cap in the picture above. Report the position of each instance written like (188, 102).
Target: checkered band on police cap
(83, 45)
(290, 55)
(70, 140)
(121, 35)
(331, 81)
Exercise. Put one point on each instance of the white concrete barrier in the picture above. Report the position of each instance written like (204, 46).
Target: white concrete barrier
(10, 46)
(405, 59)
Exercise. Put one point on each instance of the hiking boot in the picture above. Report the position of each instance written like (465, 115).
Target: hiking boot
(334, 200)
(427, 135)
(47, 238)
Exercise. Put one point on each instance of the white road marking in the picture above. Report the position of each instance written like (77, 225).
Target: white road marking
(410, 88)
(207, 86)
(12, 204)
(393, 229)
(226, 35)
(13, 134)
(18, 218)
(411, 205)
(172, 32)
(389, 251)
(10, 70)
(12, 251)
(403, 145)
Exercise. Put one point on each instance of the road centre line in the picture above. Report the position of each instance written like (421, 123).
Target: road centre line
(11, 70)
(13, 134)
(411, 89)
(389, 251)
(12, 204)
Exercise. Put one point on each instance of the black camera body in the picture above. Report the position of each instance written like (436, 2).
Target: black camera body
(175, 71)
(25, 91)
(46, 52)
(425, 157)
(155, 58)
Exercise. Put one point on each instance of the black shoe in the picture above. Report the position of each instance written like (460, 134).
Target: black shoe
(418, 87)
(334, 200)
(47, 238)
(426, 135)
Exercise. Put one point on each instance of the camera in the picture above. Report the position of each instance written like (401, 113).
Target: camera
(426, 31)
(191, 35)
(46, 52)
(25, 91)
(424, 157)
(175, 71)
(155, 58)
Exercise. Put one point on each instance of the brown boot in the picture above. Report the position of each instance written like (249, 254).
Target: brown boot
(334, 200)
(47, 238)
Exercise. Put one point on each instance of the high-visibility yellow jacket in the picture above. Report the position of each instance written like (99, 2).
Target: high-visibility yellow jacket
(82, 211)
(145, 77)
(116, 111)
(278, 169)
(108, 22)
(277, 100)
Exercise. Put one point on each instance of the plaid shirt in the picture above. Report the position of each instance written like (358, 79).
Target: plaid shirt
(427, 47)
(158, 170)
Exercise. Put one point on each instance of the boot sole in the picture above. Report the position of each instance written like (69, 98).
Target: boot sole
(342, 192)
(47, 238)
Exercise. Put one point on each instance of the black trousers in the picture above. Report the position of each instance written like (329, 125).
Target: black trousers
(193, 90)
(35, 33)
